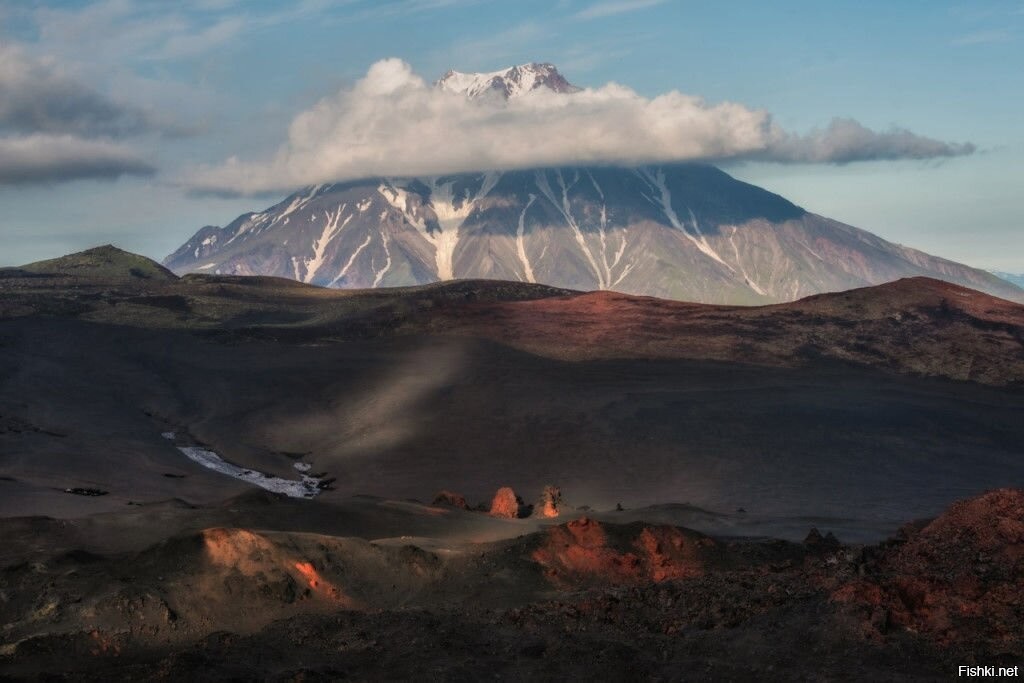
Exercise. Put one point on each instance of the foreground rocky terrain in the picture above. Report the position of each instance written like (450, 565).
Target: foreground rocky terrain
(577, 599)
(644, 453)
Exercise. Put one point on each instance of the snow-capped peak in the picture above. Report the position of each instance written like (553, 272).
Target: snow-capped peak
(508, 83)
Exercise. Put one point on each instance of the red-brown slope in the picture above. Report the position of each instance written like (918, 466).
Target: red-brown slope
(915, 325)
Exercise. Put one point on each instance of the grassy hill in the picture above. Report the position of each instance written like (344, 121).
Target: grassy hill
(106, 262)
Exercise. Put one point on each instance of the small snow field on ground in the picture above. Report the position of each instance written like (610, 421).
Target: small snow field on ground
(306, 487)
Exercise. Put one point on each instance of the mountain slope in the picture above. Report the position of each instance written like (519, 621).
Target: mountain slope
(683, 231)
(1010, 277)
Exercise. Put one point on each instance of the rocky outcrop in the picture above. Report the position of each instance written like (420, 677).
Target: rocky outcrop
(550, 502)
(507, 504)
(815, 541)
(958, 580)
(584, 551)
(451, 499)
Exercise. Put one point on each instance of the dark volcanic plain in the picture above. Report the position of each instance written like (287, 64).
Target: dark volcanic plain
(715, 428)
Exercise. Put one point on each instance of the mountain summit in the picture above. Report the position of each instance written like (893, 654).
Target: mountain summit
(507, 83)
(679, 231)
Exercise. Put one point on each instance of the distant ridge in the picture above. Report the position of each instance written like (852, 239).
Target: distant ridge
(1017, 279)
(916, 325)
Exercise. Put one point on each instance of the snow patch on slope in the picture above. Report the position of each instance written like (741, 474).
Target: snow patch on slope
(398, 197)
(603, 237)
(351, 259)
(378, 276)
(656, 181)
(739, 262)
(451, 217)
(451, 212)
(521, 243)
(564, 207)
(297, 203)
(331, 230)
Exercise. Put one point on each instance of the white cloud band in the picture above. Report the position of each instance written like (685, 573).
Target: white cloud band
(392, 122)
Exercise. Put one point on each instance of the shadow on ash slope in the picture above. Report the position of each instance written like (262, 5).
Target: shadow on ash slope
(407, 416)
(383, 414)
(378, 419)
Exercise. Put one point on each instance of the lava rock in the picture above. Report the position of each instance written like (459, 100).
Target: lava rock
(455, 500)
(508, 505)
(550, 502)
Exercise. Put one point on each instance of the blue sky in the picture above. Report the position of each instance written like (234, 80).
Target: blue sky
(161, 90)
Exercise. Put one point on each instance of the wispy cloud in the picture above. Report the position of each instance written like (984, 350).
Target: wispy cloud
(983, 37)
(846, 141)
(428, 5)
(369, 10)
(507, 44)
(114, 31)
(613, 7)
(108, 33)
(394, 123)
(200, 41)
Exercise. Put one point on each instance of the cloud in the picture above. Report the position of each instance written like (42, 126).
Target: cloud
(37, 96)
(983, 38)
(42, 158)
(607, 9)
(109, 32)
(393, 123)
(202, 40)
(55, 129)
(845, 141)
(112, 32)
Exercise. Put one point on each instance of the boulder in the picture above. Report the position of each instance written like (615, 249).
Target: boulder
(506, 504)
(455, 500)
(550, 502)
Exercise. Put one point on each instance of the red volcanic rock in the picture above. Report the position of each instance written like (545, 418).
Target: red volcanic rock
(584, 551)
(506, 504)
(455, 500)
(550, 502)
(992, 523)
(959, 580)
